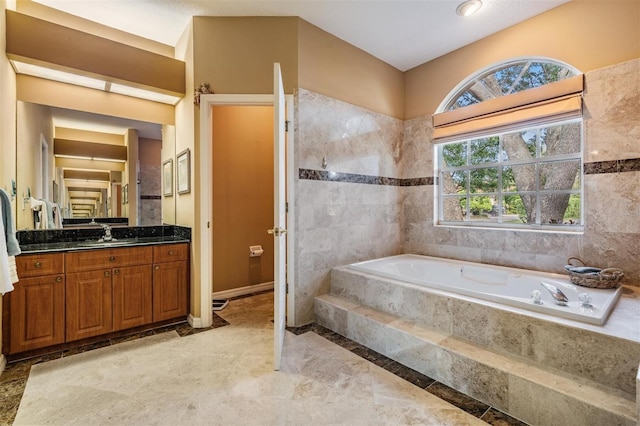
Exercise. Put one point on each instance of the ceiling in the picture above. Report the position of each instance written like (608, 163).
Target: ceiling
(403, 33)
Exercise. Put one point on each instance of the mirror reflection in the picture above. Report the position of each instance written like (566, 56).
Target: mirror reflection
(75, 168)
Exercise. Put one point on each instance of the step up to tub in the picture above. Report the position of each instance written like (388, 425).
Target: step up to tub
(534, 395)
(608, 355)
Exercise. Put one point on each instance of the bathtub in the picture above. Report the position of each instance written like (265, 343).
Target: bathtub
(507, 286)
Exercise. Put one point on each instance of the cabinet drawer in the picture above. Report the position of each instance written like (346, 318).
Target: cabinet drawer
(91, 260)
(33, 265)
(170, 252)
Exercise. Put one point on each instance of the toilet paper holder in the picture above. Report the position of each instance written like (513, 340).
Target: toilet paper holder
(255, 251)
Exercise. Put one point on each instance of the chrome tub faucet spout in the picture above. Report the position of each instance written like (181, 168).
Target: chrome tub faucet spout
(558, 296)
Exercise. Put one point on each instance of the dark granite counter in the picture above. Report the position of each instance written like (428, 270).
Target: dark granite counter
(60, 240)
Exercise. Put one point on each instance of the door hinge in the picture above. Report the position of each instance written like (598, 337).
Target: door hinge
(286, 207)
(286, 125)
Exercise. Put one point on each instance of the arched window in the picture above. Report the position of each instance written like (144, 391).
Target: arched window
(509, 149)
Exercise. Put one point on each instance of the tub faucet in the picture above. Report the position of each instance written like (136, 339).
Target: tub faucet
(558, 296)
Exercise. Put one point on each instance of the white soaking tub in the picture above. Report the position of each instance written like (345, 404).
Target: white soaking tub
(508, 286)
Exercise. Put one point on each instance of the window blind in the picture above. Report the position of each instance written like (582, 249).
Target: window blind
(551, 102)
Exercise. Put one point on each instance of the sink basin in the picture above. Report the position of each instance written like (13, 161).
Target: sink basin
(111, 243)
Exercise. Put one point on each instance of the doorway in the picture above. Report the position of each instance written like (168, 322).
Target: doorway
(205, 243)
(242, 199)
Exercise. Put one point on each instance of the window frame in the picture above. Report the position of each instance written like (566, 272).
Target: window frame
(439, 196)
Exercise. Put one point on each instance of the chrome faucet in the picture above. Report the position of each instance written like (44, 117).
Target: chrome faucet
(107, 233)
(558, 296)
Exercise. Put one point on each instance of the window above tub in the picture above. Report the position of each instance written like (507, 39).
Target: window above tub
(508, 149)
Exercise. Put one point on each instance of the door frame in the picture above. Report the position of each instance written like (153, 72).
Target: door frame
(206, 199)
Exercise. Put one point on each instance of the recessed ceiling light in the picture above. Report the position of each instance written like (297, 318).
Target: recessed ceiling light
(468, 7)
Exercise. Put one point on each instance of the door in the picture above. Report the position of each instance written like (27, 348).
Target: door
(37, 313)
(89, 304)
(170, 290)
(131, 297)
(278, 231)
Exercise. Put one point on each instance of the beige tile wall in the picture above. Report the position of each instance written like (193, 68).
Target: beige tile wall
(612, 200)
(339, 223)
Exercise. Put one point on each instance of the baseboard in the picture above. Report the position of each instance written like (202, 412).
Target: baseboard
(194, 322)
(241, 291)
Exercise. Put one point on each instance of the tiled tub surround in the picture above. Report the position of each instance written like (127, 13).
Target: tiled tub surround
(507, 286)
(338, 221)
(540, 370)
(611, 191)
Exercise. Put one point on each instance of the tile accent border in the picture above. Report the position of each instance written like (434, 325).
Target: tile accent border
(464, 402)
(613, 166)
(323, 175)
(597, 167)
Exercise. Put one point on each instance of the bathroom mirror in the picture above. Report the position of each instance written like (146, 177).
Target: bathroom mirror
(86, 166)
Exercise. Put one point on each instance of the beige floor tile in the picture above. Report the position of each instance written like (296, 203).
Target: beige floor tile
(224, 376)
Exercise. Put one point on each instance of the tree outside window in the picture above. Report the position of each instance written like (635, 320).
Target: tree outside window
(527, 177)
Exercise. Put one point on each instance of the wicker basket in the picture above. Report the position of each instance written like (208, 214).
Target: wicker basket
(607, 278)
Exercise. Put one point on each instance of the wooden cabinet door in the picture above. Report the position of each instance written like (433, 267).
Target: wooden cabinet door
(89, 304)
(132, 296)
(170, 290)
(37, 313)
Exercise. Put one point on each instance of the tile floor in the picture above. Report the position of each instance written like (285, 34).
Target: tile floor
(223, 375)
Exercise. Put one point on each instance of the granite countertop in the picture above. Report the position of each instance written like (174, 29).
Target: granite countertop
(61, 240)
(50, 247)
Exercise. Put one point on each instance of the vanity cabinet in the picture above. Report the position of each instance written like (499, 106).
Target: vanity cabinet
(170, 281)
(107, 290)
(69, 296)
(37, 303)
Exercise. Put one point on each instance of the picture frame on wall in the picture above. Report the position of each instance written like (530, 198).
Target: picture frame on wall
(167, 178)
(183, 173)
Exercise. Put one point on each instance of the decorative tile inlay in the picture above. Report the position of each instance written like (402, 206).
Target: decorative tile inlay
(460, 400)
(613, 166)
(498, 418)
(324, 175)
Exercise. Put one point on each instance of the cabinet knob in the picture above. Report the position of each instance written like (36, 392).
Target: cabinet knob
(112, 258)
(107, 273)
(171, 252)
(157, 267)
(116, 272)
(38, 265)
(58, 279)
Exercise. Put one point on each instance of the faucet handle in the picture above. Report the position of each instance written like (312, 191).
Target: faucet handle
(585, 300)
(535, 297)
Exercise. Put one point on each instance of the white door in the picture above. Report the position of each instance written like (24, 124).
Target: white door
(279, 217)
